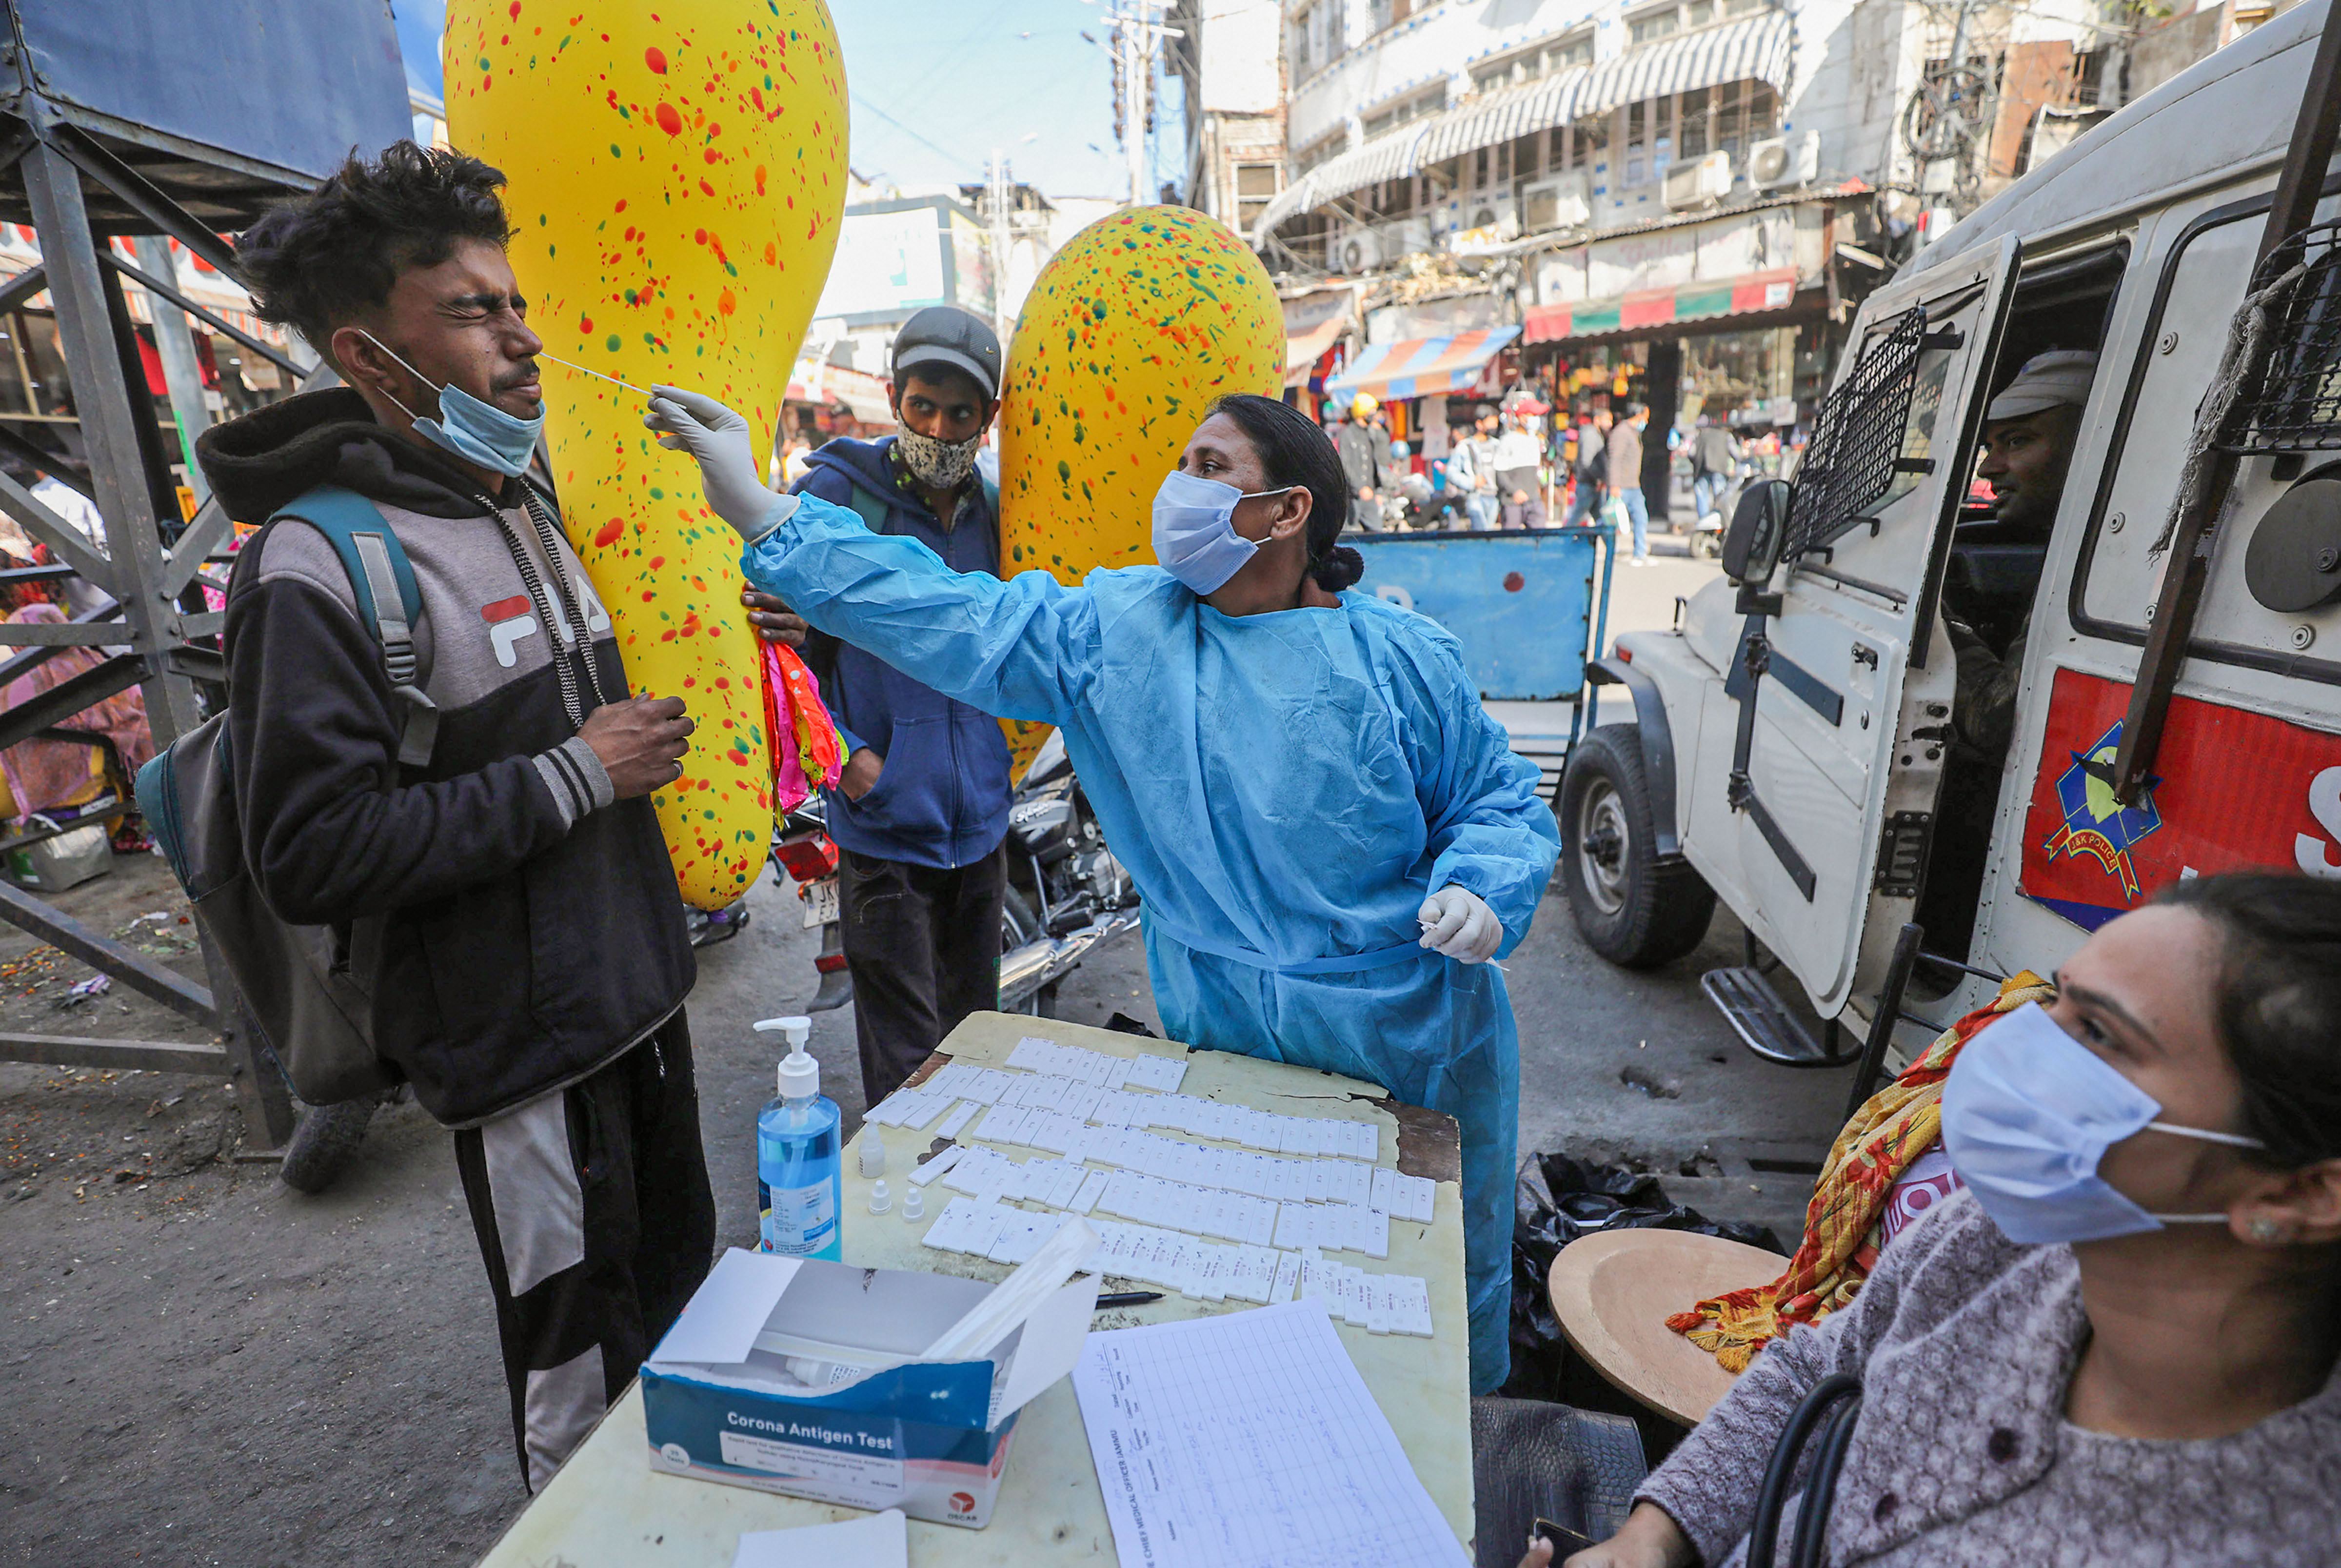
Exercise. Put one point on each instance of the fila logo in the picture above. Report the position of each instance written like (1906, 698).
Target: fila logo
(597, 619)
(509, 620)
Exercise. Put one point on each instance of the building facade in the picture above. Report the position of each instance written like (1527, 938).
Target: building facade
(1677, 200)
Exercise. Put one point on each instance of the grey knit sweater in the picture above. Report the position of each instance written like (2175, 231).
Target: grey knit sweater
(1966, 1344)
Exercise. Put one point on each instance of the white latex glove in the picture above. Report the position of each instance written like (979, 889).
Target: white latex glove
(720, 439)
(1458, 922)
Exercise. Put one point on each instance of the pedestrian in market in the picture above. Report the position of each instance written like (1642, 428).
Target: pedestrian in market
(1362, 458)
(1481, 499)
(507, 901)
(921, 814)
(1517, 486)
(1592, 465)
(1625, 460)
(1714, 463)
(1330, 834)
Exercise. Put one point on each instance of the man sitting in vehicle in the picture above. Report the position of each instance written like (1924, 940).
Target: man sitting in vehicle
(2028, 445)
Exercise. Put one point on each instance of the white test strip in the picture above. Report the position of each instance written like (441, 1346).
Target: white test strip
(1288, 1278)
(1092, 1188)
(923, 1116)
(923, 1175)
(958, 1119)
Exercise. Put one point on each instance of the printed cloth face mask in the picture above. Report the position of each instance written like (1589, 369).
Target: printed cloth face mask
(2028, 1111)
(1195, 535)
(474, 431)
(938, 463)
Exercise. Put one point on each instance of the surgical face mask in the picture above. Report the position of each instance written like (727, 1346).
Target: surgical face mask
(2028, 1111)
(1195, 535)
(479, 432)
(940, 465)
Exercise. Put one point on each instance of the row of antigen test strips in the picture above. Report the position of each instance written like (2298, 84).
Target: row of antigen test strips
(1205, 1270)
(1079, 1103)
(1379, 1303)
(1145, 1071)
(1205, 1181)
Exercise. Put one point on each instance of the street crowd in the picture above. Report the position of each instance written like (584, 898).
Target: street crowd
(2117, 1343)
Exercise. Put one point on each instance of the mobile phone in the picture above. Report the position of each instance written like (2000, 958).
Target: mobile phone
(1564, 1539)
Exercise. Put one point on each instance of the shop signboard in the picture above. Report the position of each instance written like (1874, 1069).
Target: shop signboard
(897, 257)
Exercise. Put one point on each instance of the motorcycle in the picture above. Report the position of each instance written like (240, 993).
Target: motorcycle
(1067, 894)
(1706, 532)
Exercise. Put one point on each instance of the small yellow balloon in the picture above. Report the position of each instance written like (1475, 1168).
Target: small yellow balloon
(1131, 331)
(677, 182)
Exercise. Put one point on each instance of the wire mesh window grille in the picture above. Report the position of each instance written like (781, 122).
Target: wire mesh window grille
(2299, 405)
(1858, 437)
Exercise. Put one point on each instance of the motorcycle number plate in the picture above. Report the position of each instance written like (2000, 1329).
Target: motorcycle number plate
(820, 902)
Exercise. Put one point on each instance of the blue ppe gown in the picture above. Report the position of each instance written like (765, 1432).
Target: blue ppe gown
(1284, 789)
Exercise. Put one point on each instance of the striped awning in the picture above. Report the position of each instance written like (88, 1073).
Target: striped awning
(1749, 294)
(1759, 49)
(1420, 367)
(1303, 351)
(1385, 158)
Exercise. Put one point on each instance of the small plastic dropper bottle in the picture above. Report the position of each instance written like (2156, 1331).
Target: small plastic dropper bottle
(798, 1189)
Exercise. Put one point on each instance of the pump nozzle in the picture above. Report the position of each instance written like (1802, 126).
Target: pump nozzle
(800, 1074)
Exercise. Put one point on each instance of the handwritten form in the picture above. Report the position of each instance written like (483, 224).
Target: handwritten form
(1248, 1441)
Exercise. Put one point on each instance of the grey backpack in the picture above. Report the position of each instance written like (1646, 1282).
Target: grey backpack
(297, 987)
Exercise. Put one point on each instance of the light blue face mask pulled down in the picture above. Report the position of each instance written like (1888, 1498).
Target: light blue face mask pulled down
(476, 432)
(2028, 1111)
(1195, 536)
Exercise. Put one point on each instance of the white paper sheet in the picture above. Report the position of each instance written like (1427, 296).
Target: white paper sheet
(874, 1541)
(1248, 1439)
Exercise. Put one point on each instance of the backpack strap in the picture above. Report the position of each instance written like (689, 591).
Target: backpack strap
(390, 602)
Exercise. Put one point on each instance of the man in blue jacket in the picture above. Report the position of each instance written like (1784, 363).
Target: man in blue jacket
(921, 811)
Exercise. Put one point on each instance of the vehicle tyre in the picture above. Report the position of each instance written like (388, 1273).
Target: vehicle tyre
(1018, 924)
(1708, 546)
(1632, 908)
(324, 1143)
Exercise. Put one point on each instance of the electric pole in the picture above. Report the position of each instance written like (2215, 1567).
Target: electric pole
(996, 197)
(1136, 35)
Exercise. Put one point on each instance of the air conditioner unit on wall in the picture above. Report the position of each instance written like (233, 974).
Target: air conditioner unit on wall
(1784, 161)
(1359, 250)
(1560, 202)
(1694, 181)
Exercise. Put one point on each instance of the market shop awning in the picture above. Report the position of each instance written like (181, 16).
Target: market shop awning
(863, 394)
(1754, 48)
(1302, 352)
(1422, 366)
(1744, 296)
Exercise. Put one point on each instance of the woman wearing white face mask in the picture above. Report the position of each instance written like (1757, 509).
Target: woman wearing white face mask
(1329, 834)
(2118, 1345)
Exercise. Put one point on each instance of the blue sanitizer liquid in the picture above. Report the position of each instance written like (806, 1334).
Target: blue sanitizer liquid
(798, 1186)
(798, 1190)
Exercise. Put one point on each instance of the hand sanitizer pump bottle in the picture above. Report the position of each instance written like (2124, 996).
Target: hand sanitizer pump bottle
(797, 1191)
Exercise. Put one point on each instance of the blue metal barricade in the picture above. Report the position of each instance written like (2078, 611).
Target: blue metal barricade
(1530, 606)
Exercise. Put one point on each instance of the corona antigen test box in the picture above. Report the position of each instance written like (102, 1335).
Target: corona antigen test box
(816, 1380)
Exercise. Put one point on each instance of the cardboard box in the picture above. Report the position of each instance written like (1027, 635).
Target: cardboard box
(808, 1378)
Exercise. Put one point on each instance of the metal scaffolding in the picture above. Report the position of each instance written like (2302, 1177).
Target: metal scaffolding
(110, 125)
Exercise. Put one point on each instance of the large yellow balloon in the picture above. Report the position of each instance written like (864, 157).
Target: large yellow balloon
(677, 180)
(1130, 330)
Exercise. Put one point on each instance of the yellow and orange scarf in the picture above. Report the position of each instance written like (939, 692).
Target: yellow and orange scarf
(1885, 1137)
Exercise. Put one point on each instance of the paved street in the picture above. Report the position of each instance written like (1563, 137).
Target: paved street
(168, 1312)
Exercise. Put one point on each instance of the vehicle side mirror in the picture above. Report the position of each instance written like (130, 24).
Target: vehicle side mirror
(1759, 528)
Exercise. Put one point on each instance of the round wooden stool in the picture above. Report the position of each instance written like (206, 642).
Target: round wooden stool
(1614, 1291)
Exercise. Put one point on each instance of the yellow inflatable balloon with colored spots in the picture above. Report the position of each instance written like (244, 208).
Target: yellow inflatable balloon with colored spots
(1131, 330)
(677, 179)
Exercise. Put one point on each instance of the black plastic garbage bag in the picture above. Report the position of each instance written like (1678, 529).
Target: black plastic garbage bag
(1557, 1201)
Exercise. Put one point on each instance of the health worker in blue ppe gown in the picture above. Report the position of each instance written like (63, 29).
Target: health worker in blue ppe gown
(1330, 834)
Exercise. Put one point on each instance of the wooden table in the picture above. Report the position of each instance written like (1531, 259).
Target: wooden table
(607, 1508)
(1613, 1293)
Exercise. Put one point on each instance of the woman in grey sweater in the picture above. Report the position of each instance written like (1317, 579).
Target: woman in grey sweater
(2118, 1345)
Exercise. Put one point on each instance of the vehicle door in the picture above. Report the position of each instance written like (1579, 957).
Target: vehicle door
(1838, 699)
